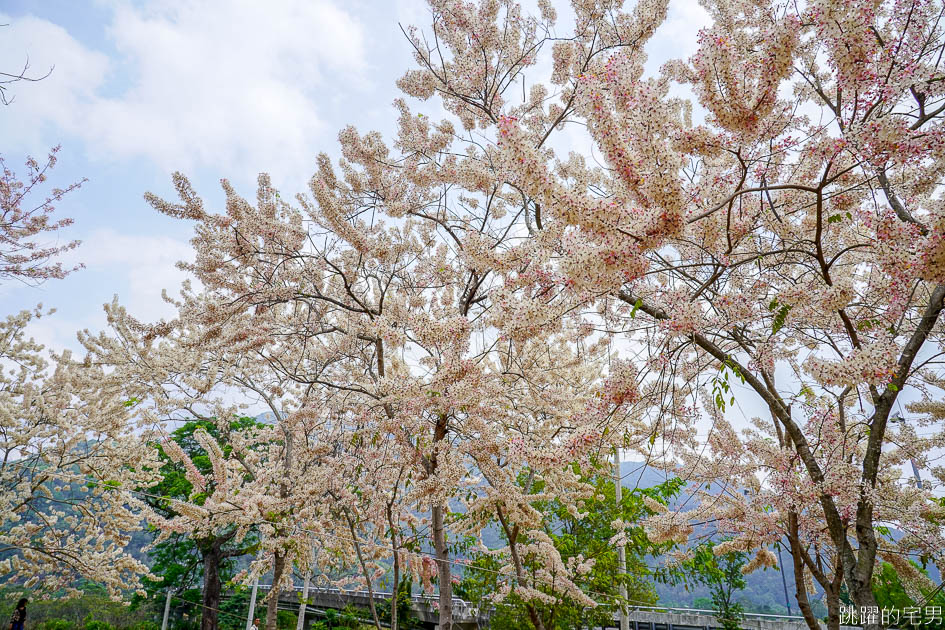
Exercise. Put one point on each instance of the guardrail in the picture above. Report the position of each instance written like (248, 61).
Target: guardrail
(673, 618)
(461, 608)
(705, 611)
(642, 617)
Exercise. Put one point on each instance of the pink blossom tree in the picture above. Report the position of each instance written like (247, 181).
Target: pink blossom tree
(24, 221)
(779, 224)
(68, 453)
(391, 321)
(790, 241)
(68, 443)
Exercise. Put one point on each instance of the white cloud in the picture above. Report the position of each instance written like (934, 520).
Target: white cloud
(677, 36)
(56, 100)
(230, 85)
(135, 267)
(145, 264)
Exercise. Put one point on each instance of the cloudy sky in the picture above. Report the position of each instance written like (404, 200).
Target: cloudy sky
(214, 88)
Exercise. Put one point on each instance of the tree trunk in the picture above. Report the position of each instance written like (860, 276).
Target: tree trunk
(272, 601)
(212, 587)
(800, 586)
(512, 534)
(862, 595)
(364, 570)
(278, 562)
(444, 575)
(443, 572)
(801, 590)
(833, 610)
(396, 594)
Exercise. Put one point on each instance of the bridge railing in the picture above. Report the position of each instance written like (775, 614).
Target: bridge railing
(704, 611)
(460, 607)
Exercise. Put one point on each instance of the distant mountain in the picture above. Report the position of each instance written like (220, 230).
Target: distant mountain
(639, 475)
(765, 590)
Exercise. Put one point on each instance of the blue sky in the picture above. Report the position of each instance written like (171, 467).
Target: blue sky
(213, 88)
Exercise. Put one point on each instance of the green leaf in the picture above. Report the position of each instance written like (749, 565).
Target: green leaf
(837, 218)
(779, 319)
(866, 324)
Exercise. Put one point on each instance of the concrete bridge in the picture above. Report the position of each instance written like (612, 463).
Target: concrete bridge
(467, 617)
(423, 607)
(667, 618)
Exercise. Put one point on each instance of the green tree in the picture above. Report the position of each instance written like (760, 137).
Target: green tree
(196, 568)
(405, 617)
(722, 574)
(892, 595)
(58, 612)
(590, 536)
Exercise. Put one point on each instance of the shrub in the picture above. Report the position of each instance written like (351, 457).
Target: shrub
(94, 624)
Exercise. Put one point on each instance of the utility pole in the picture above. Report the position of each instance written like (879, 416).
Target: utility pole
(252, 605)
(621, 549)
(167, 609)
(301, 624)
(787, 599)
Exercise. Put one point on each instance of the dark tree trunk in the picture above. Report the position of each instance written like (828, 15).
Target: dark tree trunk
(364, 570)
(212, 586)
(438, 514)
(272, 602)
(800, 587)
(833, 611)
(511, 534)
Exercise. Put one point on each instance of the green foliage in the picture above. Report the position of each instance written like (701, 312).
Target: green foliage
(890, 594)
(233, 610)
(174, 483)
(346, 619)
(721, 389)
(95, 624)
(837, 218)
(588, 535)
(722, 575)
(178, 561)
(405, 617)
(702, 603)
(286, 619)
(73, 613)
